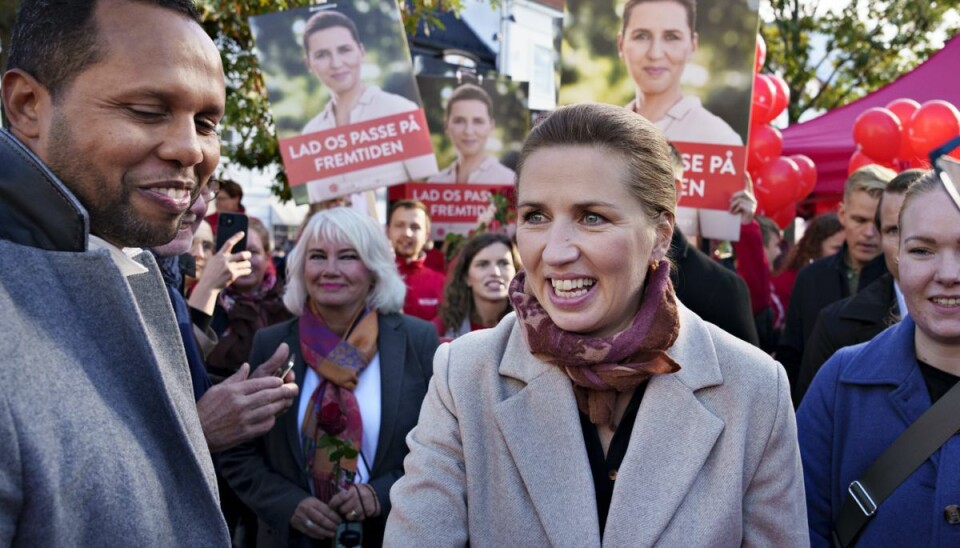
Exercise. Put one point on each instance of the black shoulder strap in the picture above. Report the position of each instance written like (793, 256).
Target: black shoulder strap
(901, 459)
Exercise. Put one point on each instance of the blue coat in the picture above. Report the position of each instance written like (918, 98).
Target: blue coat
(862, 399)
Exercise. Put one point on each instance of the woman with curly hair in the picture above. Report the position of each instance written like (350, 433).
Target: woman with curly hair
(475, 294)
(823, 236)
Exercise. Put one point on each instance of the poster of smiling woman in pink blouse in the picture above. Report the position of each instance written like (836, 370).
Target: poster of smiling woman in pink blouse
(348, 113)
(686, 66)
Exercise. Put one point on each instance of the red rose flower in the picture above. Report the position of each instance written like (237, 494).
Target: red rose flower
(331, 419)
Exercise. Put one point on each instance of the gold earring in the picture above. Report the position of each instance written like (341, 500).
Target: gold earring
(655, 264)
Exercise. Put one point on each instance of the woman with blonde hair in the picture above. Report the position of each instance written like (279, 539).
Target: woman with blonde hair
(326, 470)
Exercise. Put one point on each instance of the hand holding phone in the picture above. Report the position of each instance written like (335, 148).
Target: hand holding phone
(282, 372)
(229, 224)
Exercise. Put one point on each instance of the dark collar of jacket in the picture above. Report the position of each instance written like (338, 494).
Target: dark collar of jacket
(36, 208)
(679, 246)
(876, 303)
(868, 273)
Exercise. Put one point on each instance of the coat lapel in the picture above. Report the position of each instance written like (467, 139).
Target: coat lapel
(391, 345)
(291, 416)
(541, 428)
(671, 440)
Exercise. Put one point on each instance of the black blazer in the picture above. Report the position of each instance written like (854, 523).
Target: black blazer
(820, 283)
(847, 322)
(714, 292)
(268, 474)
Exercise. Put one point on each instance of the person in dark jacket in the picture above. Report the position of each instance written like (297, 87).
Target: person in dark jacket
(711, 290)
(861, 317)
(832, 278)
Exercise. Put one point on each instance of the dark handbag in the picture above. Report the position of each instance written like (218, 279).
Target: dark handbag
(902, 458)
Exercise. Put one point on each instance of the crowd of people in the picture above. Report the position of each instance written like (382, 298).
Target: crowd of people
(596, 378)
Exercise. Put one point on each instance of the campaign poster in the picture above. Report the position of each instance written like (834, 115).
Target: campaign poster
(343, 97)
(686, 66)
(477, 127)
(454, 208)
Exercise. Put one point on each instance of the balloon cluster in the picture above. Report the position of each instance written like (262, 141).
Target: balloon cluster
(902, 134)
(778, 181)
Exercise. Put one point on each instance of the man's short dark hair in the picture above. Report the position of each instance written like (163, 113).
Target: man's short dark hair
(55, 40)
(408, 204)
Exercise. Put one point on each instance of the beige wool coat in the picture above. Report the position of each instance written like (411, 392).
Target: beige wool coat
(498, 457)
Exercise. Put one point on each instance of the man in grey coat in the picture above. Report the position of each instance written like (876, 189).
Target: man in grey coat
(113, 108)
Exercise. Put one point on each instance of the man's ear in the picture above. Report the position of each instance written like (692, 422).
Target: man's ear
(27, 104)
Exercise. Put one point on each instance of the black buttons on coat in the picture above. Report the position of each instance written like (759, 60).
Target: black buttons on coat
(952, 514)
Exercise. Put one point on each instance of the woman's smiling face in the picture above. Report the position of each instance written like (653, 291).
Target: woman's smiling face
(584, 239)
(656, 44)
(336, 58)
(930, 266)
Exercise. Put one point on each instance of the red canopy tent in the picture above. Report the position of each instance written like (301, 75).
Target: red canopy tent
(828, 140)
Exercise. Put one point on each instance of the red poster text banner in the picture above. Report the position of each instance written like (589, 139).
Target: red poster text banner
(356, 146)
(456, 208)
(711, 174)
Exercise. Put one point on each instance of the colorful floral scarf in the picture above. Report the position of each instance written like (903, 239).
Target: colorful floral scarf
(600, 367)
(333, 407)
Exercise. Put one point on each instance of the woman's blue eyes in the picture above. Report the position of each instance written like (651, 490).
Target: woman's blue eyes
(533, 217)
(592, 218)
(587, 218)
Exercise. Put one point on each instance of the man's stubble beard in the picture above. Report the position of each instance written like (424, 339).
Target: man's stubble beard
(112, 218)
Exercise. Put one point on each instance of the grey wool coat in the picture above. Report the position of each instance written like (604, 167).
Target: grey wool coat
(100, 443)
(498, 457)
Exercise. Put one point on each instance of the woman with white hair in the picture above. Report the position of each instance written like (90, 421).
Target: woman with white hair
(363, 370)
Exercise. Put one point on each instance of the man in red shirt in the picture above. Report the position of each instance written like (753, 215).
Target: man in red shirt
(408, 228)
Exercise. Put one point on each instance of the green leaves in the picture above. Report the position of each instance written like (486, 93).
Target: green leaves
(832, 56)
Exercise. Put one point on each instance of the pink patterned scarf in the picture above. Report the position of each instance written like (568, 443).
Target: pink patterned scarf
(334, 409)
(600, 367)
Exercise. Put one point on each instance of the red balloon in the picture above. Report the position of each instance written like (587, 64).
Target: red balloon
(932, 125)
(783, 94)
(877, 131)
(808, 175)
(764, 95)
(776, 185)
(761, 54)
(766, 143)
(859, 159)
(785, 216)
(903, 109)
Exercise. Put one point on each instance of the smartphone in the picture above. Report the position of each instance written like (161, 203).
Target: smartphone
(229, 224)
(282, 372)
